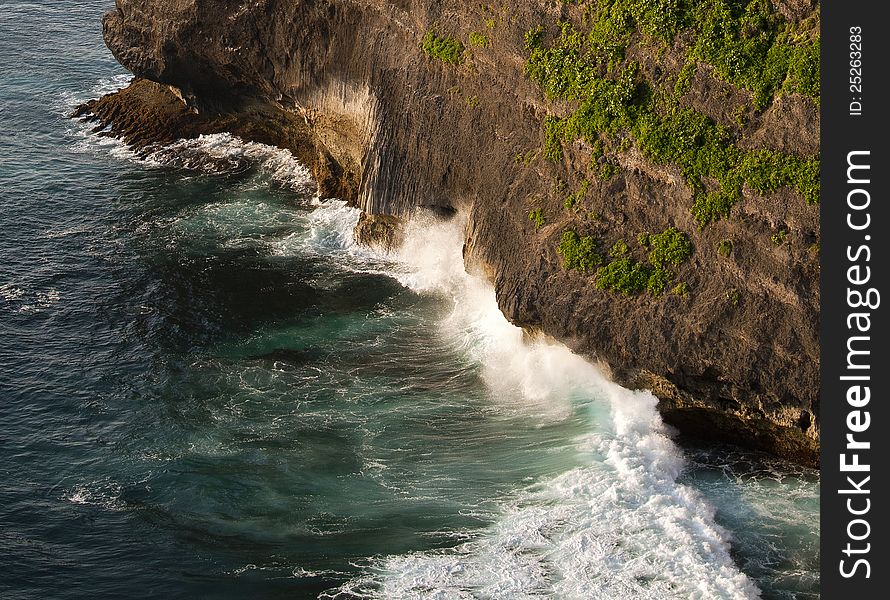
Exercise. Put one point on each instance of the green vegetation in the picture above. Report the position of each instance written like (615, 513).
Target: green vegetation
(659, 278)
(473, 101)
(575, 198)
(724, 248)
(447, 49)
(745, 42)
(748, 46)
(681, 290)
(536, 217)
(553, 135)
(734, 297)
(478, 40)
(629, 277)
(578, 252)
(607, 170)
(671, 247)
(803, 70)
(623, 273)
(526, 158)
(684, 79)
(619, 249)
(780, 237)
(740, 116)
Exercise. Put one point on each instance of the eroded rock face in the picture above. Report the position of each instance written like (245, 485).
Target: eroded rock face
(345, 85)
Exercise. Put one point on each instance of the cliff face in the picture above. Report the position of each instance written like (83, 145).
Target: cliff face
(728, 340)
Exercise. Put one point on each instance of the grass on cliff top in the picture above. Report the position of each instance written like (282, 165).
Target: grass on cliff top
(446, 48)
(744, 41)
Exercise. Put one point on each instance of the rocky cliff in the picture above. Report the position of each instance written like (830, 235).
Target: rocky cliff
(639, 177)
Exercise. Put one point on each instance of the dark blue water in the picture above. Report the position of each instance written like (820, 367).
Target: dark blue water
(206, 390)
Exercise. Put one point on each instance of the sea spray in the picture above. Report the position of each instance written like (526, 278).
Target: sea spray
(619, 527)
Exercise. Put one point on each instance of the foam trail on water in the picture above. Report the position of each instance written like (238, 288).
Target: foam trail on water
(68, 100)
(619, 527)
(217, 153)
(226, 153)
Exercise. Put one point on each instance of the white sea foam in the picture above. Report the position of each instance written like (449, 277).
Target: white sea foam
(103, 493)
(108, 85)
(10, 292)
(218, 153)
(619, 527)
(89, 142)
(226, 153)
(330, 226)
(27, 300)
(69, 100)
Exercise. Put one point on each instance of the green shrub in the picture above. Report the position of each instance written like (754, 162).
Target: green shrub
(536, 217)
(619, 249)
(713, 206)
(533, 37)
(684, 79)
(803, 70)
(628, 276)
(447, 49)
(553, 133)
(624, 275)
(748, 45)
(681, 290)
(579, 253)
(575, 198)
(478, 40)
(671, 247)
(738, 41)
(607, 171)
(659, 278)
(724, 248)
(806, 180)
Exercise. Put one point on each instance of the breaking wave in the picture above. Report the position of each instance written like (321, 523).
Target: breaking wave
(620, 526)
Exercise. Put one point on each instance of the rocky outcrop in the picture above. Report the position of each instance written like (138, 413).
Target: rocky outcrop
(345, 85)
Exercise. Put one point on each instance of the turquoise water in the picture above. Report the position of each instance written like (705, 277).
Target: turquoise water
(206, 390)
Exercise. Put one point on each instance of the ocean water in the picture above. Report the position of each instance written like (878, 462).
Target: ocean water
(208, 391)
